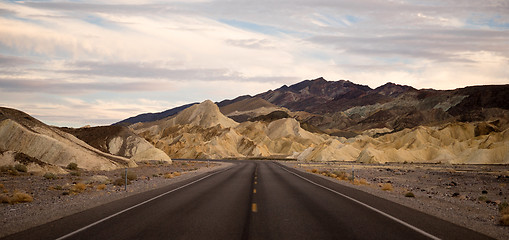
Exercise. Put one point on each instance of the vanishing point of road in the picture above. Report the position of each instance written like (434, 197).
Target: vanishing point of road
(251, 200)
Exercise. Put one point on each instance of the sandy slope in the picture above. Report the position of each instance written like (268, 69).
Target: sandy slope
(202, 131)
(50, 145)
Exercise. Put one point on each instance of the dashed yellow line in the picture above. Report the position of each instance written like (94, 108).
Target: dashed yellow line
(254, 207)
(254, 190)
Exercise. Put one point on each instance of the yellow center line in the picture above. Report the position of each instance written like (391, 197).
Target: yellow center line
(254, 208)
(254, 190)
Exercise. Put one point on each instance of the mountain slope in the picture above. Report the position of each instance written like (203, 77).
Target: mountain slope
(202, 131)
(119, 141)
(22, 133)
(150, 117)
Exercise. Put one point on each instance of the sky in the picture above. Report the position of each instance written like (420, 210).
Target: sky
(76, 63)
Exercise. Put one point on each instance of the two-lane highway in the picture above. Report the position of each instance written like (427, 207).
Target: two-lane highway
(251, 200)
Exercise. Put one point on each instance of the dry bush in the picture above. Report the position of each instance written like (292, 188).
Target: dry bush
(19, 197)
(101, 186)
(72, 166)
(169, 176)
(176, 174)
(314, 170)
(340, 175)
(410, 194)
(5, 199)
(49, 175)
(121, 182)
(1, 186)
(78, 188)
(504, 220)
(21, 168)
(9, 169)
(504, 213)
(387, 187)
(131, 176)
(360, 181)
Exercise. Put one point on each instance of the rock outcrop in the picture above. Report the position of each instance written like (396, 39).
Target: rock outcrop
(119, 141)
(202, 131)
(21, 133)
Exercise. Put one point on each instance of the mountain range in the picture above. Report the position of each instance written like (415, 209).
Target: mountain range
(343, 108)
(314, 120)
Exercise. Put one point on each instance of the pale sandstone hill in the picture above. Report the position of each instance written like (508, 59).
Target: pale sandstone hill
(119, 141)
(21, 133)
(196, 133)
(188, 135)
(470, 143)
(205, 114)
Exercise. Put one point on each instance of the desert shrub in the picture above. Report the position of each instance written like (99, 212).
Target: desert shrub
(21, 168)
(504, 220)
(9, 169)
(409, 194)
(176, 174)
(387, 187)
(482, 199)
(101, 186)
(361, 181)
(314, 170)
(121, 181)
(131, 176)
(78, 188)
(5, 199)
(169, 176)
(72, 166)
(49, 175)
(504, 206)
(1, 186)
(20, 197)
(75, 173)
(340, 175)
(5, 168)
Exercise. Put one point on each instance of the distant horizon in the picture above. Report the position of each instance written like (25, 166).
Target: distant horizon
(93, 62)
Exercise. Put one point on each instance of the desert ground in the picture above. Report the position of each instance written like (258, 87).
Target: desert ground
(468, 195)
(47, 198)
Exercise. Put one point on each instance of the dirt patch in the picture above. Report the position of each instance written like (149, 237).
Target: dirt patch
(54, 198)
(467, 195)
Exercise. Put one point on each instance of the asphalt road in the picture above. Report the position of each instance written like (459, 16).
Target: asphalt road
(251, 200)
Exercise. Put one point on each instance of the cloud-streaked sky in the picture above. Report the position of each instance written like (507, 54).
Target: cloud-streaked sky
(73, 63)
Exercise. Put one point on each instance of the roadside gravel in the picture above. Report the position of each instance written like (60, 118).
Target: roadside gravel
(57, 198)
(467, 195)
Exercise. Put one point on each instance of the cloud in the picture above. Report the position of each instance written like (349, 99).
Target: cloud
(56, 54)
(146, 70)
(14, 61)
(64, 87)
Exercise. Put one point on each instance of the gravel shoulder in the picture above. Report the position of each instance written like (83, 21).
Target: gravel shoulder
(64, 195)
(467, 195)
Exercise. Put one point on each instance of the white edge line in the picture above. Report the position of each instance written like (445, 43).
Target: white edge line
(137, 205)
(368, 206)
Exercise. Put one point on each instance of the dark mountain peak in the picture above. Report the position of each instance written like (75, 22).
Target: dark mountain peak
(393, 89)
(150, 117)
(228, 101)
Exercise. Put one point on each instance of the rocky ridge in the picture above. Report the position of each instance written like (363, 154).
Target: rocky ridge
(21, 133)
(187, 135)
(119, 141)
